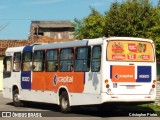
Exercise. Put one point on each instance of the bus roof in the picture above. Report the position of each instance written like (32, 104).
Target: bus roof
(14, 49)
(84, 42)
(75, 43)
(128, 38)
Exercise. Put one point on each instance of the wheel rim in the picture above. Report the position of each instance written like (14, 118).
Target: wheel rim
(16, 99)
(64, 103)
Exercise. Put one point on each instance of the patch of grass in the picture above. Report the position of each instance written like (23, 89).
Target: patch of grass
(152, 106)
(144, 108)
(126, 108)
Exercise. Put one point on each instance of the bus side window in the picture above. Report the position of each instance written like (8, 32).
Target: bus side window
(82, 61)
(17, 62)
(7, 66)
(66, 59)
(52, 60)
(38, 61)
(96, 59)
(27, 61)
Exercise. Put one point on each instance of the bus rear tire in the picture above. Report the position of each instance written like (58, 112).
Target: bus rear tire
(64, 102)
(16, 101)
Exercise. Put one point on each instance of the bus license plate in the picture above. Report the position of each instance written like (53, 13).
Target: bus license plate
(130, 87)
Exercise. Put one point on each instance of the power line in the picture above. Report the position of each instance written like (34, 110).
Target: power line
(37, 19)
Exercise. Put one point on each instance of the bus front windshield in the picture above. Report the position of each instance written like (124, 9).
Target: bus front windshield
(136, 51)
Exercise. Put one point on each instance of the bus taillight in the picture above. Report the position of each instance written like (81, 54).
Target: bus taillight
(154, 84)
(107, 86)
(106, 82)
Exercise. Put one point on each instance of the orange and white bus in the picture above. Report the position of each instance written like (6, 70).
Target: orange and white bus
(82, 72)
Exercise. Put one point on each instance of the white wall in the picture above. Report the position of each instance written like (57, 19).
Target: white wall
(1, 73)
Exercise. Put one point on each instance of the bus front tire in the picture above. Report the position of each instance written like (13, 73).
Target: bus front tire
(64, 102)
(16, 101)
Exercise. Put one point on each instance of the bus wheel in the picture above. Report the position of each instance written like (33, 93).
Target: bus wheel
(16, 101)
(64, 102)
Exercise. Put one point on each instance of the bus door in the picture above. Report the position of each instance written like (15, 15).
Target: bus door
(26, 67)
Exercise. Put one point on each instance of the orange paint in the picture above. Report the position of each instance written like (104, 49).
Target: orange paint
(74, 81)
(123, 73)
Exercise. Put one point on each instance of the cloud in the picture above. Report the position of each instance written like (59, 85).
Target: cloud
(40, 2)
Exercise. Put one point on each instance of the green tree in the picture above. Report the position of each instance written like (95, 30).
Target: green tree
(90, 27)
(134, 18)
(159, 4)
(130, 18)
(155, 33)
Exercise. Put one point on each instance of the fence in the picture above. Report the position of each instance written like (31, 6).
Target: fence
(158, 94)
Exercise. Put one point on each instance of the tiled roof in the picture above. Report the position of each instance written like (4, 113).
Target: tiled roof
(4, 44)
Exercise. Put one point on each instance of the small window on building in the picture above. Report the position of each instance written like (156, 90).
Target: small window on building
(66, 59)
(17, 62)
(52, 60)
(96, 59)
(82, 61)
(27, 61)
(7, 64)
(38, 61)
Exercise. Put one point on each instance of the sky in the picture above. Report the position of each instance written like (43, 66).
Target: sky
(16, 15)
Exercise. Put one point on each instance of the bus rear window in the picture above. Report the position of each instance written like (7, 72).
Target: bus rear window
(137, 51)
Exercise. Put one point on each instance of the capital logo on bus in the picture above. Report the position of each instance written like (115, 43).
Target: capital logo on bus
(55, 79)
(65, 79)
(117, 76)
